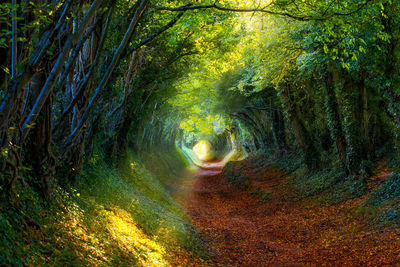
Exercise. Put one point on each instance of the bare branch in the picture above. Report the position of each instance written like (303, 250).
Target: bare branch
(117, 55)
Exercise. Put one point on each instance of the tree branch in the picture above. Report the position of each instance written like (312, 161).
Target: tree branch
(117, 55)
(241, 10)
(50, 82)
(262, 108)
(189, 6)
(89, 74)
(160, 31)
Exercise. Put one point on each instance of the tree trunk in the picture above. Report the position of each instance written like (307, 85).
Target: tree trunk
(37, 149)
(278, 128)
(351, 114)
(366, 124)
(334, 120)
(115, 60)
(311, 155)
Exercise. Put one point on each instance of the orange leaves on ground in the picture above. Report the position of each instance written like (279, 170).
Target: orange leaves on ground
(241, 230)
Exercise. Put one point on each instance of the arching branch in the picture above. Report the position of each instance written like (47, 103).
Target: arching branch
(265, 10)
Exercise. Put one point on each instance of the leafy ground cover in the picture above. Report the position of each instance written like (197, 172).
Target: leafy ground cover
(286, 230)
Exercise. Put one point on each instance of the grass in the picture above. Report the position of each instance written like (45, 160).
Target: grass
(121, 217)
(165, 163)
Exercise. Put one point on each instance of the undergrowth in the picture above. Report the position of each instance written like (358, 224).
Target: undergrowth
(235, 177)
(330, 185)
(330, 181)
(165, 163)
(387, 199)
(262, 195)
(121, 217)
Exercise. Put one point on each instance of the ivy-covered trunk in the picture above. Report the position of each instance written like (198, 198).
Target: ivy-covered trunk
(278, 127)
(334, 120)
(351, 114)
(311, 154)
(392, 57)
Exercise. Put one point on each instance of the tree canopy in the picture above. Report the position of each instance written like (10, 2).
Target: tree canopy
(321, 76)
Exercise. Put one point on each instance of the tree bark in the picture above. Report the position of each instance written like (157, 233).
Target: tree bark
(9, 107)
(278, 128)
(56, 70)
(351, 114)
(311, 155)
(334, 120)
(109, 71)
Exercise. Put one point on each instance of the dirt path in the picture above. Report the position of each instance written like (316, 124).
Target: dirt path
(243, 231)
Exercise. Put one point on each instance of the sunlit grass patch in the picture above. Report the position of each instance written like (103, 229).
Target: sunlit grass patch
(74, 237)
(126, 233)
(99, 235)
(141, 199)
(121, 217)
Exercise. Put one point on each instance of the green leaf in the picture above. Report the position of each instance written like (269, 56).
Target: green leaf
(326, 49)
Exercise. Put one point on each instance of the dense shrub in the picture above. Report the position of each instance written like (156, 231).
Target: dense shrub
(387, 192)
(235, 177)
(351, 187)
(262, 195)
(310, 183)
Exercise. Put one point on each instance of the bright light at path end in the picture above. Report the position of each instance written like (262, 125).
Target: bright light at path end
(203, 151)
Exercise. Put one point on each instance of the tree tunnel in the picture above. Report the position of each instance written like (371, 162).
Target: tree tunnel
(144, 89)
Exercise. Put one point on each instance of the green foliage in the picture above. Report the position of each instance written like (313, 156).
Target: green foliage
(390, 214)
(310, 183)
(350, 187)
(333, 183)
(291, 162)
(112, 217)
(235, 177)
(12, 244)
(262, 195)
(389, 191)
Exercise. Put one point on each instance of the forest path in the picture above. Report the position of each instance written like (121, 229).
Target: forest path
(241, 230)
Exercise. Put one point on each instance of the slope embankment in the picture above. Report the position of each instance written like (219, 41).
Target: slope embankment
(112, 217)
